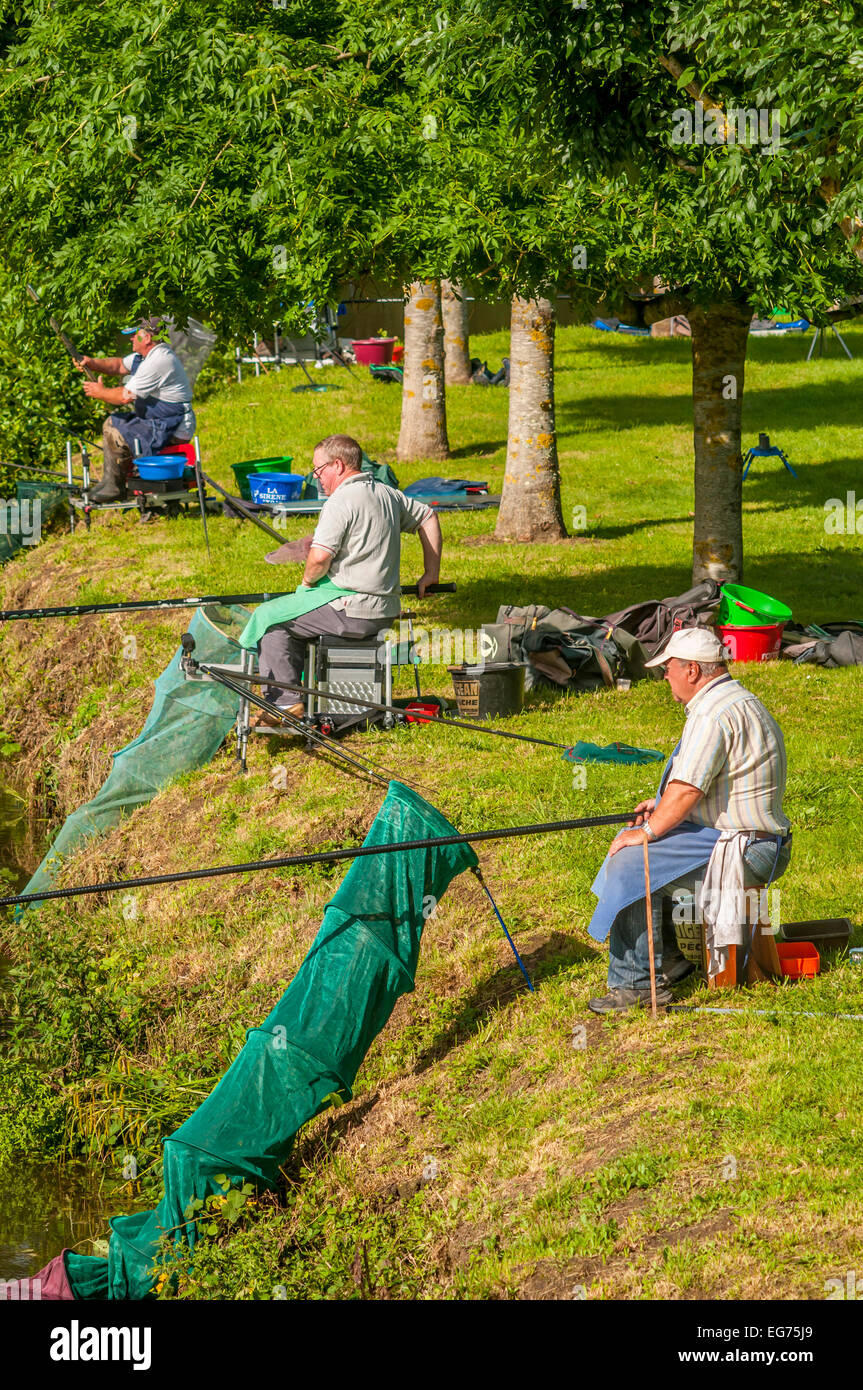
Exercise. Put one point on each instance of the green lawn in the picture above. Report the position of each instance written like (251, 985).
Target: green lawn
(699, 1157)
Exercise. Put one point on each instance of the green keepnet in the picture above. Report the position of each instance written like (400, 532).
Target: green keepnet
(312, 1044)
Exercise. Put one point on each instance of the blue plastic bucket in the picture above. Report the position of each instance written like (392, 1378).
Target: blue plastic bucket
(275, 487)
(155, 467)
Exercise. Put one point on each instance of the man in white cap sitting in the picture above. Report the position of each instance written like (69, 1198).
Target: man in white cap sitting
(716, 823)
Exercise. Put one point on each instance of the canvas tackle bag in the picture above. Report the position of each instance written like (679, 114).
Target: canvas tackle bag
(597, 651)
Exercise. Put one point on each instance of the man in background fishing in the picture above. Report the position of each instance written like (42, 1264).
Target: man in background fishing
(716, 823)
(156, 387)
(350, 583)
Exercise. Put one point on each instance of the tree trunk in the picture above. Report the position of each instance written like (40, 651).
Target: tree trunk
(530, 501)
(423, 429)
(719, 337)
(455, 334)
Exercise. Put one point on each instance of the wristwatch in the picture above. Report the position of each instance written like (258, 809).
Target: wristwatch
(651, 834)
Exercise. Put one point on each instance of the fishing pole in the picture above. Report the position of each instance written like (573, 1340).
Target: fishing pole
(330, 856)
(416, 718)
(759, 1013)
(191, 665)
(363, 764)
(79, 610)
(241, 507)
(46, 473)
(69, 429)
(74, 352)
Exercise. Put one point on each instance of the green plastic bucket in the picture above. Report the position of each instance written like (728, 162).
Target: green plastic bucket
(241, 471)
(742, 607)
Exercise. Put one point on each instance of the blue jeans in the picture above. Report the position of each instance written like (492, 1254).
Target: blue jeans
(628, 959)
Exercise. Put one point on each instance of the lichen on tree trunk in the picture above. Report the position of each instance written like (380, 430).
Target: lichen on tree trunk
(423, 433)
(530, 501)
(719, 338)
(455, 334)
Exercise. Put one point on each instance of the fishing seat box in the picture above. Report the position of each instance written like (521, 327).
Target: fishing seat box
(826, 934)
(355, 665)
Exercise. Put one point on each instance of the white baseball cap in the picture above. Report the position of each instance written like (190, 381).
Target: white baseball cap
(691, 644)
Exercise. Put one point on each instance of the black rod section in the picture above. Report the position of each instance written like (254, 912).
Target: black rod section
(241, 507)
(77, 610)
(477, 728)
(330, 856)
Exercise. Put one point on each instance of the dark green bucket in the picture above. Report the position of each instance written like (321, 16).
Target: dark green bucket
(488, 692)
(241, 471)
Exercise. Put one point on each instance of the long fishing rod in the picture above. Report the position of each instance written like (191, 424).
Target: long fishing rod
(241, 507)
(43, 472)
(757, 1013)
(78, 610)
(330, 856)
(74, 352)
(69, 429)
(363, 764)
(476, 728)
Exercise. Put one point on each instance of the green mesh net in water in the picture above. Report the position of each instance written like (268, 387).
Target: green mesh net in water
(36, 502)
(311, 1046)
(187, 723)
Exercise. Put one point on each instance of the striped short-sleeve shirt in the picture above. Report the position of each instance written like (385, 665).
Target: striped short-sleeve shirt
(732, 749)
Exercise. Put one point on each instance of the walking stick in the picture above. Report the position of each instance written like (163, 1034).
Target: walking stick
(649, 906)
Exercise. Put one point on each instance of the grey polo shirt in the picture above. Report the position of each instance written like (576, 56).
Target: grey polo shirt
(361, 526)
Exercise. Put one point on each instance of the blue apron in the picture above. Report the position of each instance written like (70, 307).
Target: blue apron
(620, 880)
(152, 422)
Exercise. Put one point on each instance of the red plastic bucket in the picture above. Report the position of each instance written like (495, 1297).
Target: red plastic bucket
(377, 351)
(751, 643)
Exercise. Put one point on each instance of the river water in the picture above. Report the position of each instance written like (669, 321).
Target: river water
(44, 1207)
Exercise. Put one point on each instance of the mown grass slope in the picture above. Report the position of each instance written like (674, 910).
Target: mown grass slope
(501, 1143)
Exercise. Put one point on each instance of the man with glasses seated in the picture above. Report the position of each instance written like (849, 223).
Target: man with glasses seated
(350, 584)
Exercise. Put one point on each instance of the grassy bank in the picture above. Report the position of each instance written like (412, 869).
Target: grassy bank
(700, 1157)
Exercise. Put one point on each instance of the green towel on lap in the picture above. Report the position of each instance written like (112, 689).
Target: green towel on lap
(282, 610)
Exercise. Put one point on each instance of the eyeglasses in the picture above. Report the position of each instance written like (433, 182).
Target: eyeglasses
(316, 472)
